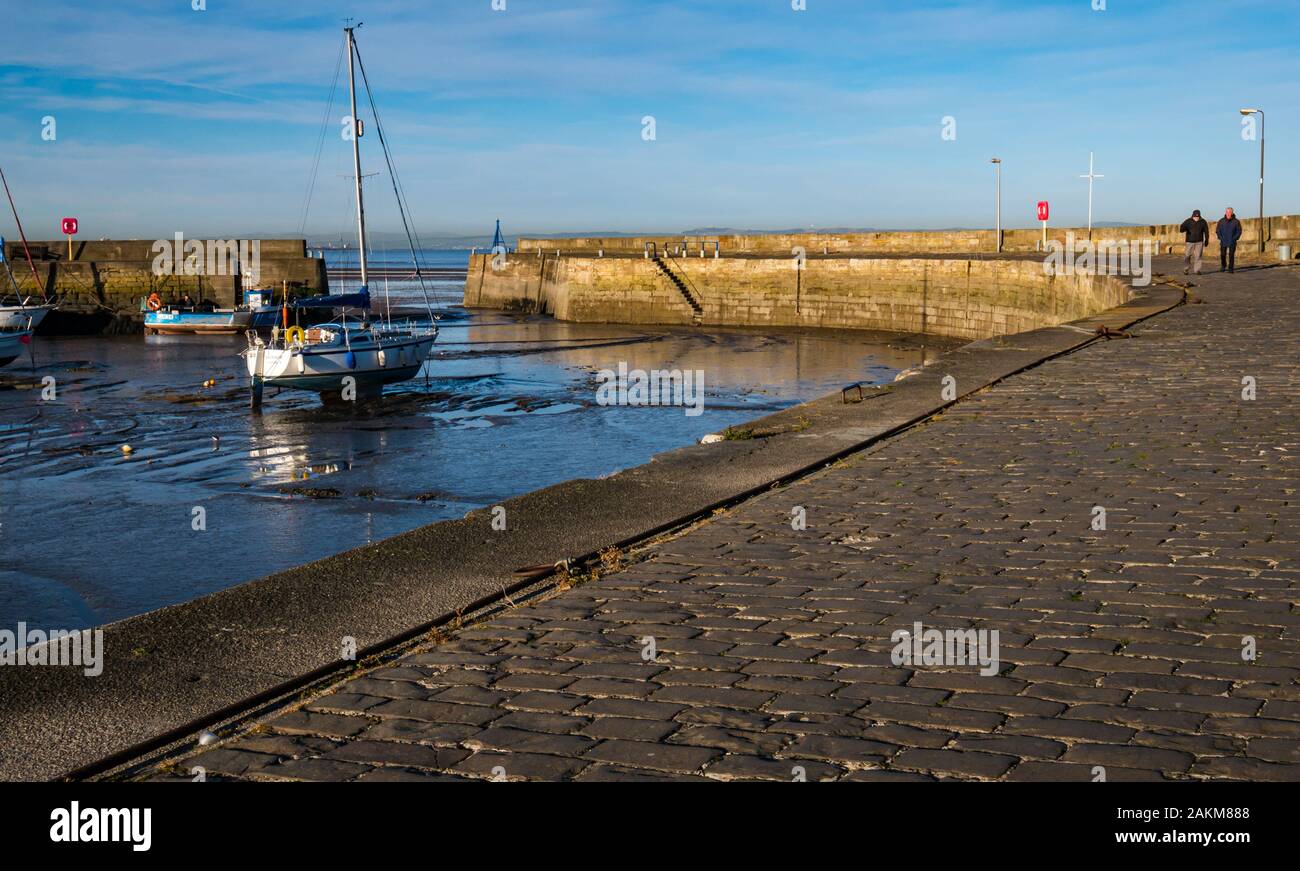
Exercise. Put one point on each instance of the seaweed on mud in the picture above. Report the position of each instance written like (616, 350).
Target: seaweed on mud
(313, 492)
(738, 434)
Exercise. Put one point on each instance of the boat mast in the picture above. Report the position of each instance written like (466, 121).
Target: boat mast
(356, 155)
(23, 236)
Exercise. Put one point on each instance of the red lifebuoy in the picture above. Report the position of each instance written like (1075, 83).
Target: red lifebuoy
(155, 302)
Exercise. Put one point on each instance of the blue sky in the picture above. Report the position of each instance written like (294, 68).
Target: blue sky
(206, 122)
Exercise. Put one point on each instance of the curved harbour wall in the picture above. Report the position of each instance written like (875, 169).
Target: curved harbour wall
(960, 297)
(1278, 230)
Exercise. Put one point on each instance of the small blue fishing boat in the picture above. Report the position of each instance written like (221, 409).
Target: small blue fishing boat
(177, 319)
(259, 312)
(201, 317)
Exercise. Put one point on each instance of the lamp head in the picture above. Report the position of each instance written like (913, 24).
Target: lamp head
(1248, 111)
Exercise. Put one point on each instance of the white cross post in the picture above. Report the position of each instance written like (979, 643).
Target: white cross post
(1090, 176)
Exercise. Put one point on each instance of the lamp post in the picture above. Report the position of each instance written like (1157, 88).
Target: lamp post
(1260, 113)
(997, 163)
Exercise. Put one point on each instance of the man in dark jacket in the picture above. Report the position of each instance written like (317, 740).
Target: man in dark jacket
(1228, 231)
(1197, 233)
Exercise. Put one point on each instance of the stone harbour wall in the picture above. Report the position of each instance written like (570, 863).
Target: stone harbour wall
(957, 297)
(1279, 230)
(104, 282)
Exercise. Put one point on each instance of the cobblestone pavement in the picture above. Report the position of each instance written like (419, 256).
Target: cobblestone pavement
(1121, 649)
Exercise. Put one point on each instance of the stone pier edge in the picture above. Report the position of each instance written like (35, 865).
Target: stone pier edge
(192, 665)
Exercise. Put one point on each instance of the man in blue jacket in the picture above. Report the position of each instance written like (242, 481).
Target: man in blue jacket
(1229, 231)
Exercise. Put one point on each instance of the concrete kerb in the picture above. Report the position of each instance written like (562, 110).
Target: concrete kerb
(185, 667)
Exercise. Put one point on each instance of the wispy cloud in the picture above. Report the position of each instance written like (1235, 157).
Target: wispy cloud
(766, 116)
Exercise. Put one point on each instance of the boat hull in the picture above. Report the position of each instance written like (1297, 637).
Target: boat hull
(367, 382)
(12, 345)
(15, 317)
(323, 369)
(175, 322)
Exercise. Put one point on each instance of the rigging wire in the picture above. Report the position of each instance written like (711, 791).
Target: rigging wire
(320, 143)
(403, 207)
(23, 236)
(18, 294)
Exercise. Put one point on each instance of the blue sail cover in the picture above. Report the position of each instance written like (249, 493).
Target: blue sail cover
(360, 299)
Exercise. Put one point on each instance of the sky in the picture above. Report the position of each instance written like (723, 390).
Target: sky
(168, 118)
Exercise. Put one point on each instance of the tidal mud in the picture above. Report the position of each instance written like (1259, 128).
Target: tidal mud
(138, 487)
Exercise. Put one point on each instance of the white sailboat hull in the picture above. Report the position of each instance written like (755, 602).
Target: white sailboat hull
(15, 317)
(323, 368)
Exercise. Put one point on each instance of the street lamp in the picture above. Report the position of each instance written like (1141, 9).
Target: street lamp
(997, 162)
(1260, 113)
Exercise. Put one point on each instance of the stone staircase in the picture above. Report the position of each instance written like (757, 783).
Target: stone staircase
(697, 309)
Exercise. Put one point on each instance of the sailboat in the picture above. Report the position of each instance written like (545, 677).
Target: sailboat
(19, 313)
(17, 322)
(16, 310)
(359, 355)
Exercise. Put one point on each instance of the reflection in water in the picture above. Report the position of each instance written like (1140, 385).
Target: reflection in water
(90, 533)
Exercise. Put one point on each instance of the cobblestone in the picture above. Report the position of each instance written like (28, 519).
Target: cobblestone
(1120, 651)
